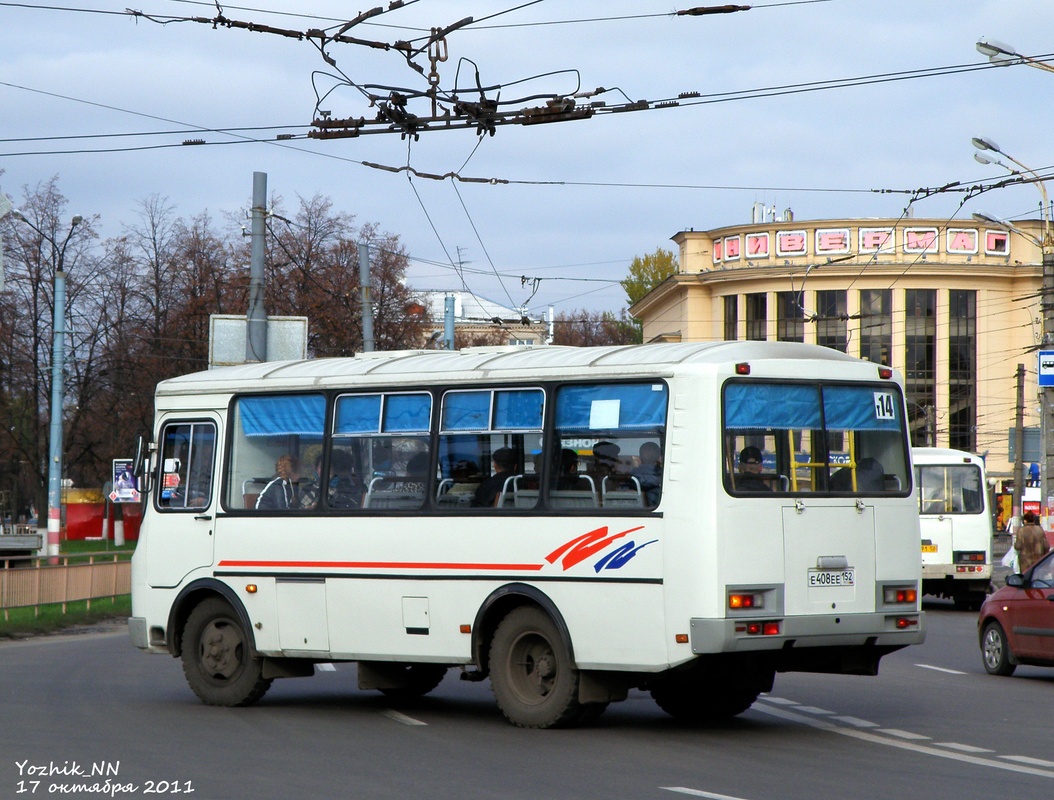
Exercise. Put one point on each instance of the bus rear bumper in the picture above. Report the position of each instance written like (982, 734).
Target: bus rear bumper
(960, 572)
(883, 630)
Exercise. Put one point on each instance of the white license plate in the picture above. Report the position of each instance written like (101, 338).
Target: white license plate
(832, 577)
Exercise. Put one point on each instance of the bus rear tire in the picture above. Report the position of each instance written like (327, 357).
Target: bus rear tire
(217, 658)
(705, 695)
(419, 680)
(531, 674)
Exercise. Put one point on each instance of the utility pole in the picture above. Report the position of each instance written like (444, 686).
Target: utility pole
(448, 322)
(1046, 394)
(367, 297)
(1019, 445)
(256, 319)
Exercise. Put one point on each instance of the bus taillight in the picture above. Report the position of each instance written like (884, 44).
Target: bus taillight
(737, 601)
(771, 628)
(893, 595)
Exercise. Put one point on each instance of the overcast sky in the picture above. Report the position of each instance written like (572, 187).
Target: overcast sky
(584, 196)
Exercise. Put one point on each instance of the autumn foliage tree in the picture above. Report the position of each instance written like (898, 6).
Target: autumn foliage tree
(138, 309)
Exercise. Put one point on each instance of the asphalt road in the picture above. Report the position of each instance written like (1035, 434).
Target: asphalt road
(931, 725)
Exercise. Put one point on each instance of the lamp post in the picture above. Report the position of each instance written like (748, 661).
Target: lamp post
(1046, 394)
(58, 357)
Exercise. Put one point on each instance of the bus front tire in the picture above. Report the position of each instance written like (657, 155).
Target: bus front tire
(217, 658)
(531, 674)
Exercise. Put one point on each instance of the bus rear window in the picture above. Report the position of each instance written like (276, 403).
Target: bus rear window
(950, 489)
(812, 438)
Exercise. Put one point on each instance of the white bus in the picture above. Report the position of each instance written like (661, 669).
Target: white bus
(955, 518)
(570, 523)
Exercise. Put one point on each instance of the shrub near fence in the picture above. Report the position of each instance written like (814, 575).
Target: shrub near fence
(73, 578)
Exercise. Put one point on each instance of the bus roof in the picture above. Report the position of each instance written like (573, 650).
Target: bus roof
(943, 455)
(478, 363)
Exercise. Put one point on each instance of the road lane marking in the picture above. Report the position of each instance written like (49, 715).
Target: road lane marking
(326, 667)
(1036, 762)
(941, 669)
(921, 749)
(402, 718)
(780, 701)
(915, 737)
(965, 748)
(813, 710)
(856, 722)
(699, 793)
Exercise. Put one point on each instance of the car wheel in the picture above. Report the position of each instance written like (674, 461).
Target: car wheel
(995, 650)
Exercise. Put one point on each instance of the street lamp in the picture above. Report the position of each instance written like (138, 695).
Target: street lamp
(1046, 302)
(58, 356)
(1004, 55)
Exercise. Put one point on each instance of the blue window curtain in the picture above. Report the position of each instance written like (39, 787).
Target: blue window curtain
(861, 408)
(405, 413)
(518, 409)
(466, 411)
(282, 415)
(598, 407)
(762, 406)
(359, 413)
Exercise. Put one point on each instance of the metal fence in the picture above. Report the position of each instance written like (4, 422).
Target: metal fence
(64, 579)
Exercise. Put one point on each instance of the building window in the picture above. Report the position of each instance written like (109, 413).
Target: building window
(832, 320)
(876, 326)
(920, 362)
(757, 317)
(790, 319)
(962, 369)
(731, 317)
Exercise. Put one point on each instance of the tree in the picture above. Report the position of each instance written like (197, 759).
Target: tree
(647, 272)
(595, 328)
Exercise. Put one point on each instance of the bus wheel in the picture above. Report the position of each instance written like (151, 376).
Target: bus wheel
(419, 680)
(995, 650)
(531, 673)
(704, 695)
(217, 660)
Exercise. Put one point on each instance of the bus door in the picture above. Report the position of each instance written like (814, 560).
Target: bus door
(184, 501)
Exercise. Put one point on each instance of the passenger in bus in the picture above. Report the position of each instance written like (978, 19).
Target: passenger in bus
(281, 493)
(567, 476)
(466, 478)
(606, 461)
(749, 478)
(503, 468)
(870, 477)
(416, 474)
(649, 472)
(346, 488)
(311, 492)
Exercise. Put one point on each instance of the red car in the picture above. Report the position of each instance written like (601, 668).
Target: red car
(1016, 625)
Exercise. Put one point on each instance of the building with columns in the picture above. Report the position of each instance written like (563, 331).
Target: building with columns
(953, 305)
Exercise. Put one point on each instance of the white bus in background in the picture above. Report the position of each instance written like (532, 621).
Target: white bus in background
(567, 522)
(955, 518)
